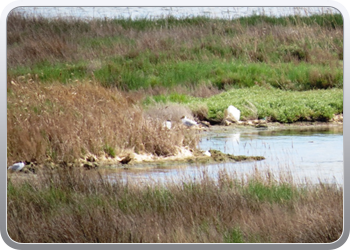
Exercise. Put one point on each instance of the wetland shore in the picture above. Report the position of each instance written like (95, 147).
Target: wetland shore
(86, 93)
(106, 86)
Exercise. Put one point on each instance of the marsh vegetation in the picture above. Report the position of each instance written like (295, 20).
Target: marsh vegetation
(78, 206)
(104, 87)
(87, 86)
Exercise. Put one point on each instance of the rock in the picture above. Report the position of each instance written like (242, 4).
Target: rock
(227, 123)
(204, 124)
(338, 118)
(91, 159)
(32, 168)
(261, 125)
(90, 165)
(126, 159)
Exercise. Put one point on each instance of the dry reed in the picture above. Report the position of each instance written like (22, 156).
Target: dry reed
(73, 206)
(38, 40)
(65, 122)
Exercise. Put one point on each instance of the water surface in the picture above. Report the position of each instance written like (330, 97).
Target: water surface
(313, 155)
(158, 12)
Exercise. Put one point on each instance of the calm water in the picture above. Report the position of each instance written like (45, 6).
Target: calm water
(156, 12)
(311, 154)
(308, 153)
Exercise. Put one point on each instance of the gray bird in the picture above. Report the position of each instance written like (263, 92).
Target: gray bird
(17, 166)
(188, 122)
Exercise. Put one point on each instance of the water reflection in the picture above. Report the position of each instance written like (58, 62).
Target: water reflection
(306, 154)
(235, 138)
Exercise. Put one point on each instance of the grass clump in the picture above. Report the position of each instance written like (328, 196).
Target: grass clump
(276, 105)
(233, 236)
(65, 122)
(76, 206)
(272, 193)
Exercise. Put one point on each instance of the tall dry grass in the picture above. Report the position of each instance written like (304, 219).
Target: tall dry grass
(36, 39)
(73, 206)
(65, 122)
(134, 54)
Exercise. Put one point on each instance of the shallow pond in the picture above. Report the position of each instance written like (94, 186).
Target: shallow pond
(314, 154)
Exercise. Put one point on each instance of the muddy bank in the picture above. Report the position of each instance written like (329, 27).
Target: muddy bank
(335, 123)
(184, 155)
(337, 120)
(134, 161)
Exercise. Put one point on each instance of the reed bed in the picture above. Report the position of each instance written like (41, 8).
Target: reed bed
(66, 122)
(75, 206)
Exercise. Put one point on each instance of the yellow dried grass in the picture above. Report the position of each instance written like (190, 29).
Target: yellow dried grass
(63, 122)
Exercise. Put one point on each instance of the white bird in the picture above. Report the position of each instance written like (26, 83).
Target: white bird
(188, 122)
(17, 166)
(207, 153)
(167, 124)
(233, 113)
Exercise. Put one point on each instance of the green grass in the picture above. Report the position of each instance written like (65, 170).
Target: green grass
(48, 73)
(277, 105)
(327, 20)
(292, 52)
(257, 102)
(278, 193)
(130, 75)
(144, 24)
(233, 236)
(110, 151)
